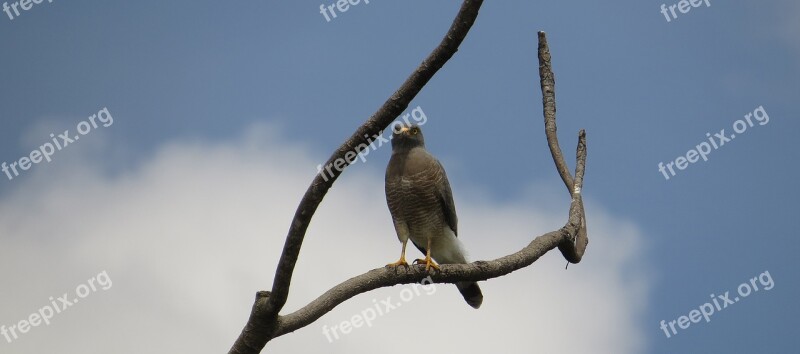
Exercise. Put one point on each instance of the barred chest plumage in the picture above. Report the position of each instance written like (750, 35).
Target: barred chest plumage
(410, 199)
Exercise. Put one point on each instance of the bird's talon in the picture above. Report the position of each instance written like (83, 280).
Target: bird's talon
(429, 263)
(401, 262)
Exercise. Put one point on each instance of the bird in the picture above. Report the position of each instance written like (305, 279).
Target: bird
(421, 204)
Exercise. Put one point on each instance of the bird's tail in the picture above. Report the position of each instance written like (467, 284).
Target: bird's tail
(471, 293)
(454, 253)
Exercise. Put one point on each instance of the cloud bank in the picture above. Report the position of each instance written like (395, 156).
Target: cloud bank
(192, 232)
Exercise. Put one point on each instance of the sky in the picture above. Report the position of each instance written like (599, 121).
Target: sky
(159, 150)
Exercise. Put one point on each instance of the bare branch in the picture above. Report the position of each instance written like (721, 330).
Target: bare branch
(548, 84)
(571, 240)
(389, 276)
(261, 326)
(574, 246)
(265, 324)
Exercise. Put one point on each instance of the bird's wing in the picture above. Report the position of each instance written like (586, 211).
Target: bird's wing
(446, 199)
(444, 195)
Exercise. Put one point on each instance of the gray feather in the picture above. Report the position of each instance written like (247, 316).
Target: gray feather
(421, 203)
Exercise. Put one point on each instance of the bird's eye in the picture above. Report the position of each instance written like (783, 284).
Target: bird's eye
(414, 131)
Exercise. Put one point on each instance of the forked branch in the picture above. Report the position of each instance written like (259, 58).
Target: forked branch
(265, 323)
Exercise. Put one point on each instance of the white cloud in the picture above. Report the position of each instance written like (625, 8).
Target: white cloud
(191, 234)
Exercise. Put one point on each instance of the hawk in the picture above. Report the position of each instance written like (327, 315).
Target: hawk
(421, 203)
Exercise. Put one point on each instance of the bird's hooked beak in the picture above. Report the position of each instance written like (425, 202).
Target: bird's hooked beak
(401, 130)
(407, 134)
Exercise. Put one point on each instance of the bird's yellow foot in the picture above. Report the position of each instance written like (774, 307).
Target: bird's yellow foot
(401, 262)
(429, 263)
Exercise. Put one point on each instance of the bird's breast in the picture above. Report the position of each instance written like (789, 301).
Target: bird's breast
(414, 201)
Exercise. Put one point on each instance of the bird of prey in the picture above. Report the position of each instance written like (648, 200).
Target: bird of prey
(422, 207)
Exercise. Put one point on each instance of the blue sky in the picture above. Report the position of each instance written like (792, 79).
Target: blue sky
(201, 92)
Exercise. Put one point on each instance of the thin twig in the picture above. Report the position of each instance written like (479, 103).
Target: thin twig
(548, 84)
(574, 246)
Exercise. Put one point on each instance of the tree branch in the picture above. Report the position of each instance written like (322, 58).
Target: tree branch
(263, 322)
(573, 247)
(390, 276)
(548, 83)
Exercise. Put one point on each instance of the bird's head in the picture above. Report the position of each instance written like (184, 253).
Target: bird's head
(407, 136)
